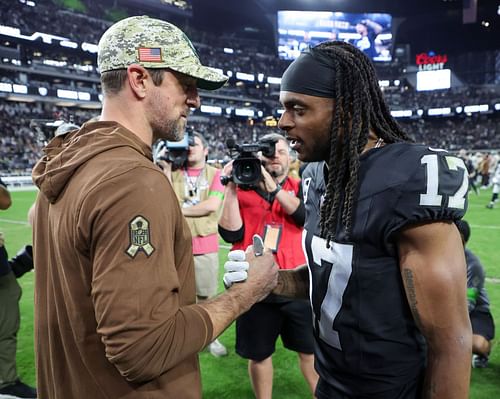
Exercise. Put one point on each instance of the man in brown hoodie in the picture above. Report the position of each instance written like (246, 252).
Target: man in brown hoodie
(115, 291)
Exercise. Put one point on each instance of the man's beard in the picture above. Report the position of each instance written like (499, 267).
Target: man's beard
(171, 130)
(278, 172)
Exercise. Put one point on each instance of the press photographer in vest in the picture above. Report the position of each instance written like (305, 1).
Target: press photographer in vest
(200, 192)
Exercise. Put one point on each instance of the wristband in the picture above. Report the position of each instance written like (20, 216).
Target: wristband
(276, 190)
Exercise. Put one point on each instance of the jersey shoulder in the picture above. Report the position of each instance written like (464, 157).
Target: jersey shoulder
(313, 192)
(406, 183)
(403, 167)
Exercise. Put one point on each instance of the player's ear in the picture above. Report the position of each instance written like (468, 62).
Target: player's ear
(137, 78)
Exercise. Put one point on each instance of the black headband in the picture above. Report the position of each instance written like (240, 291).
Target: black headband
(310, 74)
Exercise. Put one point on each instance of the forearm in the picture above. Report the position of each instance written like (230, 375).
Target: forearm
(262, 277)
(226, 307)
(434, 277)
(375, 26)
(203, 208)
(288, 202)
(230, 218)
(293, 283)
(448, 366)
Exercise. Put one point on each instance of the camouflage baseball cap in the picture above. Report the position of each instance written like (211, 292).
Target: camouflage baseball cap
(153, 43)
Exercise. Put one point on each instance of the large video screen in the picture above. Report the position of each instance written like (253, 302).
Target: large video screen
(369, 32)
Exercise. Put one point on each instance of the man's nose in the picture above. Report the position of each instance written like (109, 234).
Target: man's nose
(193, 98)
(285, 122)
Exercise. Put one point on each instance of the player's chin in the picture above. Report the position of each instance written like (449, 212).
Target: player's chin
(304, 155)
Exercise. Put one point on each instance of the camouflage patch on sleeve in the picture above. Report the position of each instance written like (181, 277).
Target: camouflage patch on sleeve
(140, 237)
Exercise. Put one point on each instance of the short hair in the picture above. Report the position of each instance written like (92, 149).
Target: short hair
(112, 81)
(274, 137)
(203, 140)
(464, 229)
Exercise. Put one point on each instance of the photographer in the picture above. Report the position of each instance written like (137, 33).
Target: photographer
(10, 294)
(274, 210)
(200, 192)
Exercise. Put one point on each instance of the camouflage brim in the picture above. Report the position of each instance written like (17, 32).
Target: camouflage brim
(206, 77)
(153, 43)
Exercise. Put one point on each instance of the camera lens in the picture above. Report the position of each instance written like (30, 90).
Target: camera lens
(247, 170)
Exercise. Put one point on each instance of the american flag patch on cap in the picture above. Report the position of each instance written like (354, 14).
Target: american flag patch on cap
(150, 54)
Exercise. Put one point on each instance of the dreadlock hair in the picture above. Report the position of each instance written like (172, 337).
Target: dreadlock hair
(358, 107)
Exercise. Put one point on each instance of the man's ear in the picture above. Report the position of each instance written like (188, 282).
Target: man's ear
(137, 77)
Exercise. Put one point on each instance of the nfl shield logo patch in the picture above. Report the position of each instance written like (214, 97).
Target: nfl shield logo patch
(140, 237)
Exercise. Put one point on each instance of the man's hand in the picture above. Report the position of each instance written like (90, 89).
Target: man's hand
(227, 171)
(262, 273)
(259, 272)
(2, 239)
(236, 267)
(267, 183)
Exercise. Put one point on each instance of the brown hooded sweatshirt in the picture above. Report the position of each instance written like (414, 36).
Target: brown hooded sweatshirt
(115, 312)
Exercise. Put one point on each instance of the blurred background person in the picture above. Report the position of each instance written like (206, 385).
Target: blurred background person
(484, 170)
(200, 192)
(496, 187)
(368, 30)
(274, 210)
(10, 294)
(483, 326)
(462, 154)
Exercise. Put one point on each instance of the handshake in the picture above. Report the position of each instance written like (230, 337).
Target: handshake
(236, 268)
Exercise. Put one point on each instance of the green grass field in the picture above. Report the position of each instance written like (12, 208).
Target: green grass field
(227, 377)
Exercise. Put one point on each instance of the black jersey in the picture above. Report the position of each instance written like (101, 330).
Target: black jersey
(366, 339)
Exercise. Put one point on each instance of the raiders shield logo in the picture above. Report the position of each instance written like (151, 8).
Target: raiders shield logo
(140, 237)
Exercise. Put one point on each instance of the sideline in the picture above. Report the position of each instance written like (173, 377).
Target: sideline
(25, 223)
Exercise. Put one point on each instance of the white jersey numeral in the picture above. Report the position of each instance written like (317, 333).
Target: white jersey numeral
(432, 197)
(340, 257)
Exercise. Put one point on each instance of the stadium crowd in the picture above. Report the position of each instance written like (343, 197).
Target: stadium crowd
(20, 145)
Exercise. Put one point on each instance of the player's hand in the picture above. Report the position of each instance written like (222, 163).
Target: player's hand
(2, 239)
(235, 268)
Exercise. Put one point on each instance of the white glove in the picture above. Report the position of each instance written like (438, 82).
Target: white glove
(236, 268)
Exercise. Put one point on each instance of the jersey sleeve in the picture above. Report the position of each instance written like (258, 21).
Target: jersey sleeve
(436, 190)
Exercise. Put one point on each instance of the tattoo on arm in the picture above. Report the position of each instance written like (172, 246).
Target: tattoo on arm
(293, 283)
(412, 295)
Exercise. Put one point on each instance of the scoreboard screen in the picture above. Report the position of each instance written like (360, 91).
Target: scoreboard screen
(371, 33)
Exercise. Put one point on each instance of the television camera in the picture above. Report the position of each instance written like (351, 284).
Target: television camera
(174, 152)
(247, 166)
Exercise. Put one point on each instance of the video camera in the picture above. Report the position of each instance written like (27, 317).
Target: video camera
(174, 152)
(246, 166)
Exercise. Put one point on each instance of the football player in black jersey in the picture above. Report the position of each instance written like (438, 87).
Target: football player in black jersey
(386, 270)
